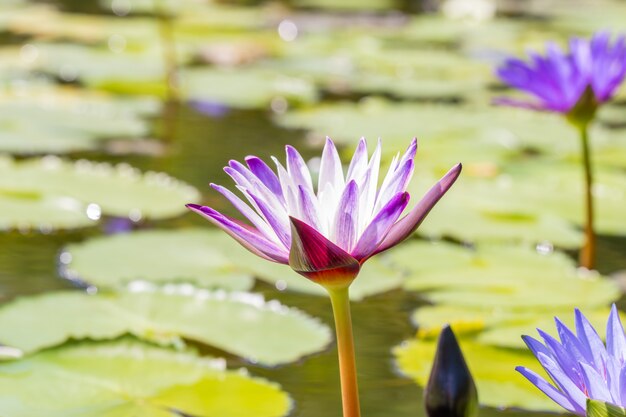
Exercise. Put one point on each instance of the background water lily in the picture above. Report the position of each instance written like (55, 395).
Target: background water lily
(580, 365)
(327, 235)
(574, 84)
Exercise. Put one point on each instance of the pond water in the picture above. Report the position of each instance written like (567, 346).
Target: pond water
(194, 149)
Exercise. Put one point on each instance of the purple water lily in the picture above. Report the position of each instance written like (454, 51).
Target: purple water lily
(580, 365)
(324, 235)
(573, 84)
(559, 80)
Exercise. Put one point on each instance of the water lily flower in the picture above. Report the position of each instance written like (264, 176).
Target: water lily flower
(325, 235)
(573, 84)
(580, 365)
(451, 391)
(327, 232)
(592, 70)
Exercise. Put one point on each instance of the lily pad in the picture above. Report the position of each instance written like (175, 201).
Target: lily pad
(68, 119)
(126, 378)
(245, 88)
(493, 370)
(496, 326)
(500, 277)
(185, 256)
(79, 192)
(468, 203)
(240, 323)
(203, 257)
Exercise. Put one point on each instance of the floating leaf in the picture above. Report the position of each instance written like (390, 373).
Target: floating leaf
(500, 277)
(204, 257)
(77, 193)
(192, 256)
(482, 205)
(499, 326)
(126, 378)
(250, 88)
(240, 323)
(44, 119)
(493, 370)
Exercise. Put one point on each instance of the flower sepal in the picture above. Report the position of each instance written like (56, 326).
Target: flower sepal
(597, 408)
(584, 110)
(318, 259)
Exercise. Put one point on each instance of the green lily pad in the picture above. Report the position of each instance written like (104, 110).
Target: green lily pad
(502, 327)
(500, 277)
(77, 193)
(204, 257)
(472, 135)
(556, 188)
(493, 370)
(245, 88)
(126, 378)
(240, 323)
(467, 203)
(68, 119)
(185, 256)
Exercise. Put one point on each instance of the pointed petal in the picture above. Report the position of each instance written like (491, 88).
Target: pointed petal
(331, 171)
(307, 208)
(379, 227)
(317, 258)
(562, 357)
(279, 224)
(407, 225)
(571, 343)
(248, 212)
(246, 236)
(297, 169)
(548, 389)
(536, 346)
(358, 165)
(394, 183)
(590, 339)
(615, 338)
(566, 385)
(265, 174)
(346, 217)
(594, 383)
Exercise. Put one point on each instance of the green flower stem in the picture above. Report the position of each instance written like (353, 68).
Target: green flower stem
(340, 301)
(588, 251)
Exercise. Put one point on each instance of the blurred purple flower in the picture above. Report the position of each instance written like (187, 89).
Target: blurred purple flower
(325, 235)
(580, 365)
(559, 81)
(210, 108)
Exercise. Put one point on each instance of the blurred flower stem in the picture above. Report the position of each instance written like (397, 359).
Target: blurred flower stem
(588, 251)
(168, 47)
(340, 300)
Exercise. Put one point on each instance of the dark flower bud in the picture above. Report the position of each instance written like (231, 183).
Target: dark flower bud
(450, 391)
